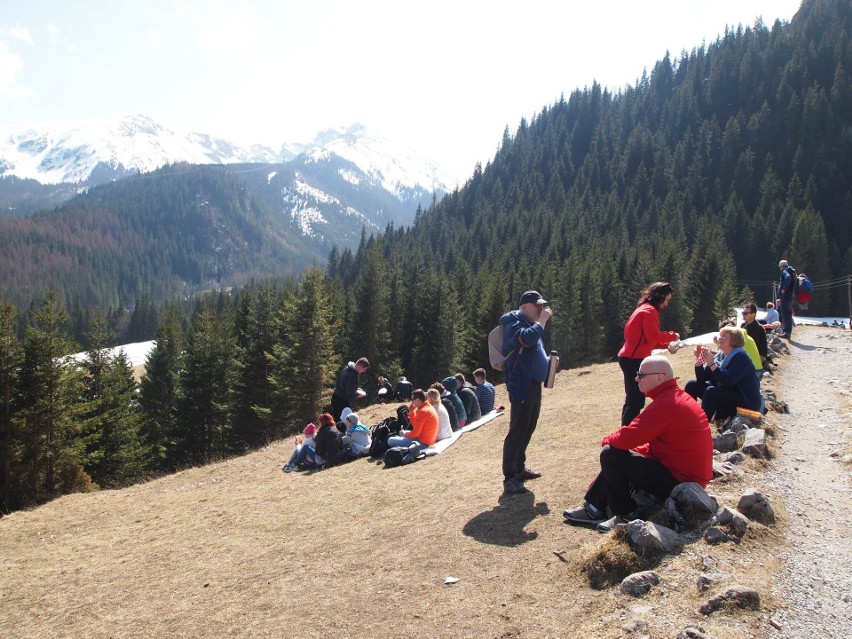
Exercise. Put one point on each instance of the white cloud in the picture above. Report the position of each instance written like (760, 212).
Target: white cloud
(59, 40)
(19, 32)
(152, 39)
(11, 65)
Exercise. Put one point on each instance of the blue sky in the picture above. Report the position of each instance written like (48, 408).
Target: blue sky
(445, 77)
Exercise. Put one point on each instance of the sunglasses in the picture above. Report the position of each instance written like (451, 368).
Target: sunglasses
(640, 374)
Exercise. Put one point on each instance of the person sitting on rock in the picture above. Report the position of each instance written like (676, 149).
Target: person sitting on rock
(668, 443)
(727, 380)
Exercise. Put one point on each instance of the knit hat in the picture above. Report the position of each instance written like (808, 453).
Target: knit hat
(310, 430)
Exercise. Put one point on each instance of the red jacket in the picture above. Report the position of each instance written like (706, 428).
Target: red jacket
(642, 333)
(673, 429)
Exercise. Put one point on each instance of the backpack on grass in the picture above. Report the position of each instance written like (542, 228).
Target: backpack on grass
(402, 455)
(386, 428)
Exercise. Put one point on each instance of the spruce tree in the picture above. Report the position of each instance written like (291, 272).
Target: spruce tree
(110, 415)
(11, 355)
(159, 389)
(52, 455)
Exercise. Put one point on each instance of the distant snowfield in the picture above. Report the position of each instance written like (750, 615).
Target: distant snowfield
(137, 353)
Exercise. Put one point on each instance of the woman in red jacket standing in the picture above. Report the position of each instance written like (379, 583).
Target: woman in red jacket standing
(642, 334)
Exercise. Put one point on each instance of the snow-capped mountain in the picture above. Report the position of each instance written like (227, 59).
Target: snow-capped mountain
(101, 149)
(98, 150)
(396, 167)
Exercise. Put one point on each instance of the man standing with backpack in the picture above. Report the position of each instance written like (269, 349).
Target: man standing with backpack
(526, 368)
(786, 291)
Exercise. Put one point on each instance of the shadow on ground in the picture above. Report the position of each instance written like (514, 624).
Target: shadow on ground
(504, 524)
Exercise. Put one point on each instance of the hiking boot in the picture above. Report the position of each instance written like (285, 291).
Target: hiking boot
(513, 487)
(610, 524)
(526, 474)
(586, 515)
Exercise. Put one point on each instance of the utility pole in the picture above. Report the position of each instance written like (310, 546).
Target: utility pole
(849, 293)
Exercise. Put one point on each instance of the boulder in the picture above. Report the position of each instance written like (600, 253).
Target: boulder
(646, 536)
(705, 580)
(714, 536)
(691, 503)
(754, 505)
(722, 469)
(639, 583)
(735, 596)
(755, 443)
(739, 424)
(736, 522)
(692, 632)
(735, 457)
(726, 442)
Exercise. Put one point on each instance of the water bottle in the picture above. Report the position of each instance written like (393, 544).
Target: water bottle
(552, 365)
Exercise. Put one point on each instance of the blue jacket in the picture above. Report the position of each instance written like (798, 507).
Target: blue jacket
(528, 361)
(785, 283)
(736, 372)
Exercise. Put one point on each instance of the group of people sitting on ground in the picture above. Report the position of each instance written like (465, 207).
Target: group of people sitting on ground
(670, 441)
(431, 416)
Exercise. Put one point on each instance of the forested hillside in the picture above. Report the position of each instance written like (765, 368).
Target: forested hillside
(167, 233)
(717, 164)
(712, 168)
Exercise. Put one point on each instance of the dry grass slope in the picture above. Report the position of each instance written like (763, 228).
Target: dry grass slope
(241, 549)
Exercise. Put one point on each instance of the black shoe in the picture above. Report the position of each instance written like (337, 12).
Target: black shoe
(513, 487)
(526, 474)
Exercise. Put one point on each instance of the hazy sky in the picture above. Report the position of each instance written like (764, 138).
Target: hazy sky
(445, 77)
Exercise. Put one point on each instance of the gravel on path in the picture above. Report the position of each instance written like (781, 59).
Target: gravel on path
(815, 480)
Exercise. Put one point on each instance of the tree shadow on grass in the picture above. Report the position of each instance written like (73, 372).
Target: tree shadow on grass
(504, 524)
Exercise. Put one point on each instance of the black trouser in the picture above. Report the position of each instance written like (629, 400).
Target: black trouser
(634, 398)
(522, 423)
(337, 406)
(621, 469)
(720, 403)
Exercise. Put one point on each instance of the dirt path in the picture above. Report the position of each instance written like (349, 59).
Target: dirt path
(809, 471)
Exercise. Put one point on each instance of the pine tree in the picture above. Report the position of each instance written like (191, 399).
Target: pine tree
(158, 395)
(206, 384)
(110, 415)
(52, 452)
(303, 362)
(11, 355)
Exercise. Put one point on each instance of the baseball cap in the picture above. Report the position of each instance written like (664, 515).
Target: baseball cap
(532, 297)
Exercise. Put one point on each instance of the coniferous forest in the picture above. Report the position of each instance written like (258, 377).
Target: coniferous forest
(714, 165)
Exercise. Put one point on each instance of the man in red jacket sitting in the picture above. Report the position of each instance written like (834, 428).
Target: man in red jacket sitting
(666, 444)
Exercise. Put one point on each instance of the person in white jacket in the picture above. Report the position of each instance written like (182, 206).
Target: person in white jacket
(444, 428)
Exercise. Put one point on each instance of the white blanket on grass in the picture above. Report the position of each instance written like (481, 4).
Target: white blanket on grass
(444, 444)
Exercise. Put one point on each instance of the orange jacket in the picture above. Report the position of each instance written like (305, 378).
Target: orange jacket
(424, 424)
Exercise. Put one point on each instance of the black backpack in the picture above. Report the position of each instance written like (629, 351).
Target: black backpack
(381, 431)
(402, 418)
(402, 455)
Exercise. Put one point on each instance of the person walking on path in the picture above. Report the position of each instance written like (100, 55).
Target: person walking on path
(642, 335)
(786, 285)
(526, 368)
